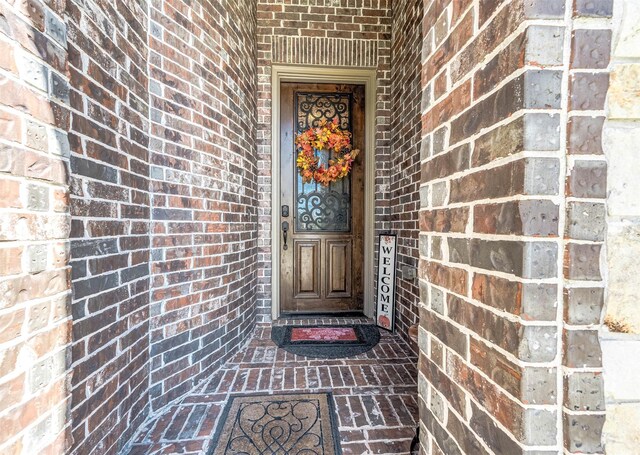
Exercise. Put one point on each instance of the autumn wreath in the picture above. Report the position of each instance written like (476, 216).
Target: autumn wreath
(326, 137)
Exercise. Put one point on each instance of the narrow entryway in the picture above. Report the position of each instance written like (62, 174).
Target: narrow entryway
(375, 394)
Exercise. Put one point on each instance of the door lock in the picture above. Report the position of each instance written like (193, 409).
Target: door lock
(285, 211)
(285, 229)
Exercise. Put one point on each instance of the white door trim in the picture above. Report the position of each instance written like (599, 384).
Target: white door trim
(336, 75)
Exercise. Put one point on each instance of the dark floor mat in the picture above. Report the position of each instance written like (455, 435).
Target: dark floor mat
(326, 341)
(278, 425)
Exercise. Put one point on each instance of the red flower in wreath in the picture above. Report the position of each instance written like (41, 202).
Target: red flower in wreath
(327, 137)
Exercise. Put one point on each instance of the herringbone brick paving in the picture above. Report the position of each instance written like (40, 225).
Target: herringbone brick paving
(375, 395)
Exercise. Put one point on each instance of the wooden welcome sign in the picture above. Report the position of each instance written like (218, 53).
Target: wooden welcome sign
(386, 281)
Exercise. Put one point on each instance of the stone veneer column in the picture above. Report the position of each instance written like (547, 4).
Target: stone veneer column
(621, 338)
(35, 316)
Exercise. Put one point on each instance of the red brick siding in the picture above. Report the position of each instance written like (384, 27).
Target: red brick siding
(404, 158)
(110, 228)
(491, 293)
(204, 189)
(324, 32)
(35, 316)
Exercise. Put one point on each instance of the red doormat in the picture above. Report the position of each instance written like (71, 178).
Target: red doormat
(330, 342)
(326, 334)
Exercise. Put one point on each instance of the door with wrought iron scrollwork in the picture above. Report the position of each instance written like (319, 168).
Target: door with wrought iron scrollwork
(322, 227)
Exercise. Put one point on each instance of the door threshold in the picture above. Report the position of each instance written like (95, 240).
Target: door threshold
(345, 314)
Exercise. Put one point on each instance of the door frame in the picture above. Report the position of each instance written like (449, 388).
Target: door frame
(331, 75)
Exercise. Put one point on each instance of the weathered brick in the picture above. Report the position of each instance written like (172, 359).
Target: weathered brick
(591, 48)
(588, 91)
(584, 433)
(588, 179)
(535, 218)
(583, 305)
(585, 135)
(582, 349)
(584, 391)
(586, 221)
(582, 262)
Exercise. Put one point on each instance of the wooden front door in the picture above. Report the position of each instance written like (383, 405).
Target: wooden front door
(322, 260)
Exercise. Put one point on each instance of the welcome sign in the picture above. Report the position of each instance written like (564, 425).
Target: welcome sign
(386, 281)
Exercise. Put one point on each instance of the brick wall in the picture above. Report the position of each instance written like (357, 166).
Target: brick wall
(357, 34)
(204, 188)
(584, 232)
(110, 228)
(34, 229)
(509, 266)
(404, 158)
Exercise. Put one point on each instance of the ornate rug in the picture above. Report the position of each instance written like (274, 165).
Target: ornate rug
(285, 424)
(326, 341)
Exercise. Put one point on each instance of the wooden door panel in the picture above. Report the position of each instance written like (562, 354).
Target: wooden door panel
(338, 267)
(306, 270)
(323, 260)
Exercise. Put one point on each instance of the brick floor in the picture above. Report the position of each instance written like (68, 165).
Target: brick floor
(375, 395)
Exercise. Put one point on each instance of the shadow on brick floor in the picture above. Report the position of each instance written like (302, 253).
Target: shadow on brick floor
(375, 393)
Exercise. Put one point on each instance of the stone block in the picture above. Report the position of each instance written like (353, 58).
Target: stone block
(621, 432)
(621, 373)
(586, 221)
(623, 250)
(624, 92)
(628, 33)
(619, 143)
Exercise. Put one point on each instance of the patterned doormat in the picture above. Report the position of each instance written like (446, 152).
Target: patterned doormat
(328, 342)
(285, 424)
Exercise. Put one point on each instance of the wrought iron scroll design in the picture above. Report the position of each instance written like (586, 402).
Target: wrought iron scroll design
(321, 208)
(278, 427)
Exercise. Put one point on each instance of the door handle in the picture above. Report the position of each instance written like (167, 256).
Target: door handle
(285, 229)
